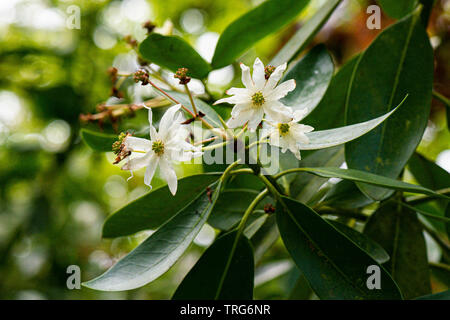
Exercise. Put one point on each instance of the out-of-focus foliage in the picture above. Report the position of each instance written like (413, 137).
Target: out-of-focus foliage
(55, 193)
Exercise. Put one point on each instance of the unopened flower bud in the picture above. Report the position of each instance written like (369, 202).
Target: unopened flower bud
(131, 41)
(141, 76)
(268, 208)
(181, 74)
(149, 26)
(268, 70)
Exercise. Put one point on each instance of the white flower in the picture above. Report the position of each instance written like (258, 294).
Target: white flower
(164, 146)
(288, 135)
(259, 96)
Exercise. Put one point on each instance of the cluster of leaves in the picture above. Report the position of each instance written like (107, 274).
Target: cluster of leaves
(328, 253)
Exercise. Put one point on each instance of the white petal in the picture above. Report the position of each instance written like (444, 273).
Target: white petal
(167, 121)
(168, 173)
(281, 90)
(241, 119)
(138, 162)
(138, 144)
(246, 78)
(151, 168)
(277, 111)
(256, 119)
(276, 76)
(237, 109)
(238, 91)
(259, 78)
(300, 114)
(234, 100)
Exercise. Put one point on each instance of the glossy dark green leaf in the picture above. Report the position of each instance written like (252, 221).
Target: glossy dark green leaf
(447, 215)
(305, 34)
(399, 8)
(335, 266)
(346, 195)
(330, 113)
(400, 233)
(98, 141)
(305, 186)
(370, 178)
(312, 75)
(156, 207)
(432, 176)
(224, 272)
(364, 242)
(265, 237)
(248, 29)
(161, 250)
(230, 208)
(405, 54)
(445, 295)
(172, 52)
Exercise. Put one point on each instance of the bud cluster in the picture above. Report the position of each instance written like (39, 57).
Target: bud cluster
(181, 74)
(119, 149)
(268, 70)
(141, 76)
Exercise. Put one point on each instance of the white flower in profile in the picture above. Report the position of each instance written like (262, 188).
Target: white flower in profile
(290, 134)
(163, 147)
(260, 95)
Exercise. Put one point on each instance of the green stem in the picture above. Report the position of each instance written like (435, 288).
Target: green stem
(414, 200)
(441, 98)
(191, 99)
(424, 213)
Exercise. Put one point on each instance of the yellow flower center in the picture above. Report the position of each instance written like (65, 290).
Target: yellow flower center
(283, 128)
(258, 99)
(158, 147)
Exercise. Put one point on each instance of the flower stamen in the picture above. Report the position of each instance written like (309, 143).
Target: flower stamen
(258, 99)
(283, 128)
(158, 147)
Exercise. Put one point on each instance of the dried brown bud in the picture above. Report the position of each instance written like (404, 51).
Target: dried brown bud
(182, 75)
(112, 73)
(131, 41)
(119, 148)
(268, 71)
(116, 93)
(268, 208)
(141, 76)
(149, 26)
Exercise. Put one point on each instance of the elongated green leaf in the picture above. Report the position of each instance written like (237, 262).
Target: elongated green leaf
(372, 248)
(445, 295)
(335, 266)
(98, 141)
(334, 137)
(241, 34)
(230, 208)
(154, 208)
(305, 34)
(161, 250)
(265, 237)
(172, 52)
(370, 178)
(375, 90)
(399, 8)
(202, 106)
(330, 113)
(312, 75)
(346, 195)
(224, 272)
(305, 186)
(432, 176)
(400, 233)
(447, 215)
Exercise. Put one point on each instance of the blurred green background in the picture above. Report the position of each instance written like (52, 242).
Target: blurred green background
(55, 192)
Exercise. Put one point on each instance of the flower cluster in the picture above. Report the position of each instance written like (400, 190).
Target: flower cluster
(258, 101)
(261, 96)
